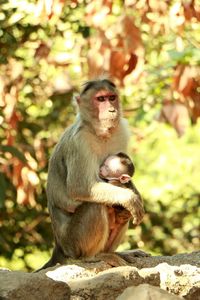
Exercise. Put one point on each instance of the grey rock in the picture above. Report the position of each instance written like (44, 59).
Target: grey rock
(146, 292)
(176, 275)
(20, 286)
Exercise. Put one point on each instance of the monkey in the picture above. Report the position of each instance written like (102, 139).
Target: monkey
(73, 176)
(118, 170)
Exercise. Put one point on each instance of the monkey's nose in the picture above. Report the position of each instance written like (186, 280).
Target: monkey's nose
(111, 110)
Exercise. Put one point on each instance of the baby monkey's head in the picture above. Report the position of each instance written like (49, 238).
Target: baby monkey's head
(117, 167)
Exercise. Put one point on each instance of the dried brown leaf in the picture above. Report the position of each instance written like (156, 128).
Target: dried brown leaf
(177, 115)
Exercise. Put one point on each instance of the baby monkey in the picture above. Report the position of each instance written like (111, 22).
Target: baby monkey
(118, 169)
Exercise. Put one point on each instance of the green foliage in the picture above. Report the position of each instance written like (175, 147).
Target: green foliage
(167, 174)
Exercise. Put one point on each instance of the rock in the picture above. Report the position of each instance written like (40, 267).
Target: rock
(20, 285)
(146, 292)
(178, 275)
(182, 280)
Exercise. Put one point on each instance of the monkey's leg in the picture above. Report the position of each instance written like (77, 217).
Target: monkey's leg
(122, 258)
(87, 232)
(114, 239)
(117, 259)
(119, 226)
(113, 259)
(81, 234)
(112, 235)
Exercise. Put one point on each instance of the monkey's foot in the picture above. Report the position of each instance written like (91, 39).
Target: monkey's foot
(118, 259)
(113, 259)
(129, 256)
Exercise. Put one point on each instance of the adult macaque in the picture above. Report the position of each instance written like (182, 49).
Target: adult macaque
(73, 176)
(118, 169)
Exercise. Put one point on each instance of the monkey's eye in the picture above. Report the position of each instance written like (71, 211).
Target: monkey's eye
(100, 98)
(112, 97)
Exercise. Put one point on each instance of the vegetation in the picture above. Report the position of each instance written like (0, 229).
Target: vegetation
(151, 50)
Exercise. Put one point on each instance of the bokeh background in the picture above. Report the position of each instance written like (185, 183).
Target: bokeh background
(151, 49)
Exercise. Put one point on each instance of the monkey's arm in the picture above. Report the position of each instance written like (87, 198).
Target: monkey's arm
(84, 184)
(120, 196)
(108, 194)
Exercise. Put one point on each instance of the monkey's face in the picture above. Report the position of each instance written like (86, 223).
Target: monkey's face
(100, 108)
(105, 112)
(106, 105)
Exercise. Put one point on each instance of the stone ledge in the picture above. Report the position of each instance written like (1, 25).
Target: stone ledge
(173, 275)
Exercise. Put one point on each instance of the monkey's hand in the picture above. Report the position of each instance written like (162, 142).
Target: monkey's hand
(136, 209)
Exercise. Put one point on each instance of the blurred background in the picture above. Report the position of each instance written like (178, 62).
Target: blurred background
(151, 49)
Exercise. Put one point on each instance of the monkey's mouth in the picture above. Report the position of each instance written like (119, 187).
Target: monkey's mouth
(108, 120)
(105, 126)
(111, 114)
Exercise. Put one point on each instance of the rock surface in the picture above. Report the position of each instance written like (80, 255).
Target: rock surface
(20, 285)
(176, 275)
(146, 292)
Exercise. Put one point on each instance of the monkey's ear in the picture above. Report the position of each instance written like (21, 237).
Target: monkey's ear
(124, 178)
